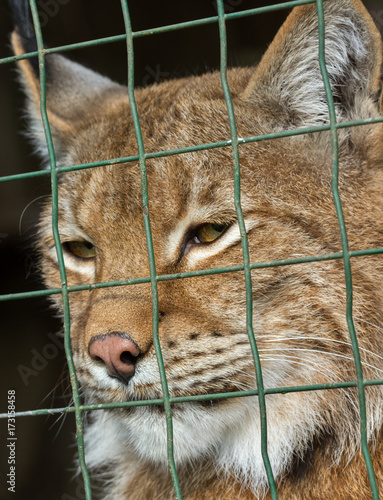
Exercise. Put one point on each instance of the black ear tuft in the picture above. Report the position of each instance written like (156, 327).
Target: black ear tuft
(22, 20)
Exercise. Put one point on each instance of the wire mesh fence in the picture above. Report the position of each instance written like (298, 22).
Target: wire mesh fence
(234, 143)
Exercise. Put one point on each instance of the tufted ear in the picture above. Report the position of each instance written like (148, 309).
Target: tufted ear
(288, 82)
(75, 94)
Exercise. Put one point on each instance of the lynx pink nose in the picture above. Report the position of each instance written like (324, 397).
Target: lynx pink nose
(118, 352)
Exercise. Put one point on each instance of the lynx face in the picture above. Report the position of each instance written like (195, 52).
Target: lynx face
(299, 317)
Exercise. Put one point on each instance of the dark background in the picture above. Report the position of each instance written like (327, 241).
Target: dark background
(45, 450)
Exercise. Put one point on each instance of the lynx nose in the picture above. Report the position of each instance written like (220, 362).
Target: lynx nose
(118, 352)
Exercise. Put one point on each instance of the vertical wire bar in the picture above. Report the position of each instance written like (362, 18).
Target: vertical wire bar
(245, 247)
(56, 236)
(346, 251)
(149, 242)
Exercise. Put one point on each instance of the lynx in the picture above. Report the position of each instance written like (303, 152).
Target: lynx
(298, 311)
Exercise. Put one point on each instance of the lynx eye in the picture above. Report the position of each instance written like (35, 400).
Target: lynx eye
(82, 249)
(210, 232)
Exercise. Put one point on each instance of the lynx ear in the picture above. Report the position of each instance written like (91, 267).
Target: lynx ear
(75, 94)
(288, 81)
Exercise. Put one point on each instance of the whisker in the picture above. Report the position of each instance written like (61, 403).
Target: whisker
(323, 339)
(320, 352)
(368, 323)
(298, 361)
(326, 369)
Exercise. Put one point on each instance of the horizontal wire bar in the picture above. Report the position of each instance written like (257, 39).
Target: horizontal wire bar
(200, 397)
(214, 19)
(199, 147)
(154, 31)
(192, 274)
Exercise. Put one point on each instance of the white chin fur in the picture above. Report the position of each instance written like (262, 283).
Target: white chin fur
(229, 437)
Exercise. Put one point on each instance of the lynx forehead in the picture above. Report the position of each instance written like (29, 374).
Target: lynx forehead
(298, 311)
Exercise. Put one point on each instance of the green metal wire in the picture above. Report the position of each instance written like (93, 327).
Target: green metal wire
(199, 147)
(200, 397)
(346, 251)
(149, 242)
(192, 274)
(60, 258)
(161, 29)
(245, 247)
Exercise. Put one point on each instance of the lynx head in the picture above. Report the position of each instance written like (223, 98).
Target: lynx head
(298, 313)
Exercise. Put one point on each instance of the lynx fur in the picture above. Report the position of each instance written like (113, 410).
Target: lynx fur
(298, 311)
